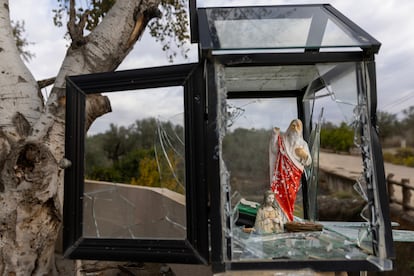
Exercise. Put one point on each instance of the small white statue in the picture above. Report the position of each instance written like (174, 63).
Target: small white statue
(269, 219)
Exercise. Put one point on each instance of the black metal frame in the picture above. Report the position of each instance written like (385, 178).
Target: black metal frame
(205, 238)
(193, 249)
(378, 171)
(213, 167)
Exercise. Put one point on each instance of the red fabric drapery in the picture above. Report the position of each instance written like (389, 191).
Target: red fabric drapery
(285, 181)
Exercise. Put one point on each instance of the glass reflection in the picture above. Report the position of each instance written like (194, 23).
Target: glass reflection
(279, 27)
(341, 82)
(312, 171)
(246, 144)
(339, 224)
(336, 36)
(135, 167)
(289, 33)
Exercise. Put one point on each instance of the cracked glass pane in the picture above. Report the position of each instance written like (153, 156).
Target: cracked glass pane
(135, 167)
(340, 84)
(312, 171)
(259, 155)
(246, 144)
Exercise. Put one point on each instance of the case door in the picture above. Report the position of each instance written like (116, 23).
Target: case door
(107, 219)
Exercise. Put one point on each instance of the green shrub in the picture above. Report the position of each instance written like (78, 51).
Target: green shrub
(337, 138)
(404, 153)
(409, 161)
(403, 156)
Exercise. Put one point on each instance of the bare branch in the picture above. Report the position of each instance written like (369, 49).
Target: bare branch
(72, 19)
(76, 30)
(83, 20)
(46, 82)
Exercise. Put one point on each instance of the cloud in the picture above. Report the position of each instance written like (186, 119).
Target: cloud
(261, 113)
(165, 104)
(49, 43)
(388, 21)
(147, 52)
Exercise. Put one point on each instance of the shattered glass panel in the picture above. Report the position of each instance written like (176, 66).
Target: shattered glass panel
(312, 172)
(338, 83)
(130, 211)
(403, 235)
(340, 222)
(260, 114)
(246, 144)
(135, 167)
(319, 245)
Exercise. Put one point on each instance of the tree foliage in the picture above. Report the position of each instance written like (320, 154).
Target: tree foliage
(171, 28)
(388, 125)
(403, 156)
(407, 124)
(248, 151)
(93, 12)
(147, 153)
(337, 138)
(21, 41)
(134, 154)
(393, 128)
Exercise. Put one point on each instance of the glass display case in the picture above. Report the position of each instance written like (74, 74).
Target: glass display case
(268, 66)
(244, 172)
(248, 167)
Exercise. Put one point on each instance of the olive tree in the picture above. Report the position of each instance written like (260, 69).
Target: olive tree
(32, 128)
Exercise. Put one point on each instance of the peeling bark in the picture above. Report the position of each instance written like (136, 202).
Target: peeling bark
(96, 105)
(23, 127)
(30, 216)
(141, 22)
(32, 135)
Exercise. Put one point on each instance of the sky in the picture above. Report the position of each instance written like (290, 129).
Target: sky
(388, 21)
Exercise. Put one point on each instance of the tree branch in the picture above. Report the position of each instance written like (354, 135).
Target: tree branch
(141, 22)
(17, 82)
(46, 82)
(76, 30)
(105, 48)
(72, 19)
(96, 106)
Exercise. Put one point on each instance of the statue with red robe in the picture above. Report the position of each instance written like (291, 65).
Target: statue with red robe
(288, 156)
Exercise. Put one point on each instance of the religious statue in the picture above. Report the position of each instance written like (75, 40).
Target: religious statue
(288, 155)
(269, 219)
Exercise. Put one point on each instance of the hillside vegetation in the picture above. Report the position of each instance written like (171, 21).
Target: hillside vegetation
(151, 152)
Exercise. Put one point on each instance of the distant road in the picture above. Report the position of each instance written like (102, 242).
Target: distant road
(351, 166)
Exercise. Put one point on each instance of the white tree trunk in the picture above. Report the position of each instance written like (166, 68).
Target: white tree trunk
(32, 135)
